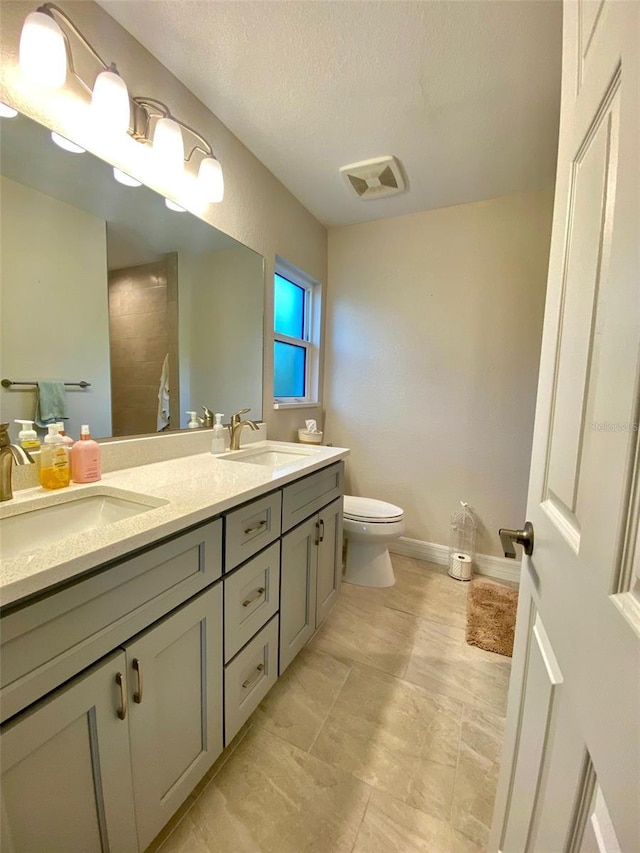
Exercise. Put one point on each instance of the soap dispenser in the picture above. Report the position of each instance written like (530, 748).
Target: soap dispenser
(217, 442)
(194, 423)
(28, 437)
(54, 461)
(86, 458)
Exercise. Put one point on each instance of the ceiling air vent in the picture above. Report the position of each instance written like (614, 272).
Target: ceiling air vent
(374, 178)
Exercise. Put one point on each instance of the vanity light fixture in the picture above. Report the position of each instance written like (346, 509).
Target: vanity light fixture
(6, 111)
(46, 56)
(110, 102)
(173, 206)
(67, 144)
(168, 147)
(43, 49)
(125, 179)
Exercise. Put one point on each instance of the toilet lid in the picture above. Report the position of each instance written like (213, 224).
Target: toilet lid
(368, 509)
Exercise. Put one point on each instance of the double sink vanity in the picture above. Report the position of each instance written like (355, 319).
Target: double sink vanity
(143, 619)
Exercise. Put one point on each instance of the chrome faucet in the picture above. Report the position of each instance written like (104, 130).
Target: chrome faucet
(236, 428)
(8, 453)
(207, 418)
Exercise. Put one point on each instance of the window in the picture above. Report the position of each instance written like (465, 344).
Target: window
(295, 337)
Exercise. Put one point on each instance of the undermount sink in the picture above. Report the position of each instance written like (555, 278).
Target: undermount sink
(271, 455)
(37, 523)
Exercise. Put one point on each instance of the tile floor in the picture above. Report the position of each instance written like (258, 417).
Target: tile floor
(383, 735)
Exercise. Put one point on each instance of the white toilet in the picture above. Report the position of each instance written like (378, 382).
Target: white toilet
(369, 526)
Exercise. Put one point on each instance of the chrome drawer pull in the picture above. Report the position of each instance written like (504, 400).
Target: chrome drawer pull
(254, 677)
(122, 710)
(254, 596)
(137, 696)
(255, 527)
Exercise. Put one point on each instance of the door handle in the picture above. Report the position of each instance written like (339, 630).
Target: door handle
(122, 710)
(321, 531)
(510, 538)
(137, 696)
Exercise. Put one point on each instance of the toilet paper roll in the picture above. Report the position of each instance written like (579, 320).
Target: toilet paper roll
(460, 566)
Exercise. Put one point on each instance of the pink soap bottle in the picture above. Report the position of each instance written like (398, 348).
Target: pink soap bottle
(86, 458)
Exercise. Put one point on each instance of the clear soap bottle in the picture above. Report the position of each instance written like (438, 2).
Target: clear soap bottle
(217, 442)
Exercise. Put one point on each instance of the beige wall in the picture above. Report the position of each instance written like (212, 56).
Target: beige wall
(34, 227)
(217, 300)
(257, 210)
(434, 329)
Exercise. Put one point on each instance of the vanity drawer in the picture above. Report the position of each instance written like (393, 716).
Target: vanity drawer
(248, 679)
(49, 641)
(304, 497)
(251, 597)
(251, 528)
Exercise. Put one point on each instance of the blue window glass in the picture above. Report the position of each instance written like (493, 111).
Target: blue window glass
(289, 308)
(289, 370)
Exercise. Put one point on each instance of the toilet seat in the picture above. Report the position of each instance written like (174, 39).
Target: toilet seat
(370, 510)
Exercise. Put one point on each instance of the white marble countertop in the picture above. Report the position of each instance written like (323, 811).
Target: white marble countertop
(188, 490)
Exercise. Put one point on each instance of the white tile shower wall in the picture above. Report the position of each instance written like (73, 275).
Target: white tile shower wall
(433, 340)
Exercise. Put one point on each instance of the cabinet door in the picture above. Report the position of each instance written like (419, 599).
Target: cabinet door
(175, 722)
(66, 770)
(298, 589)
(329, 559)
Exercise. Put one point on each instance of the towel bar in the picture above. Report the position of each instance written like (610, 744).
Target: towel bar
(8, 383)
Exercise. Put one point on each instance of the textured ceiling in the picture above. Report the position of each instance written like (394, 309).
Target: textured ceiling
(465, 93)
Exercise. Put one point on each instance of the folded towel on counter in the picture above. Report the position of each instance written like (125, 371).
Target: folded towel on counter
(51, 405)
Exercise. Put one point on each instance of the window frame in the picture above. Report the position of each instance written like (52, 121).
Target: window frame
(311, 331)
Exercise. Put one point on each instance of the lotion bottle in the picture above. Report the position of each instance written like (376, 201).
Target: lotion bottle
(54, 461)
(217, 442)
(86, 458)
(27, 436)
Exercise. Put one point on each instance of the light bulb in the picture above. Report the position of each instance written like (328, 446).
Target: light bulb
(125, 179)
(110, 102)
(43, 55)
(6, 111)
(210, 180)
(168, 147)
(67, 144)
(173, 206)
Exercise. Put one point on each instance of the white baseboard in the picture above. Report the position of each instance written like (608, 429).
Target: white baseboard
(494, 567)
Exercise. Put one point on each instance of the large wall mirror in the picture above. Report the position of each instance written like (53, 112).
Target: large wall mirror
(102, 283)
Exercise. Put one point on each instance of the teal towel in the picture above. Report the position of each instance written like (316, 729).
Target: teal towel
(52, 403)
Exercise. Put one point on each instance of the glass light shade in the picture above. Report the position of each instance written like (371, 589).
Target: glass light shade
(125, 179)
(173, 206)
(210, 179)
(67, 144)
(6, 111)
(110, 102)
(43, 56)
(168, 147)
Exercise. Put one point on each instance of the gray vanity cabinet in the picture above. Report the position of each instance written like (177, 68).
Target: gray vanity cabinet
(66, 781)
(298, 573)
(311, 567)
(174, 677)
(329, 572)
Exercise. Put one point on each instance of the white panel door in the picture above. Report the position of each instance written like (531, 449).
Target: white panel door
(570, 776)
